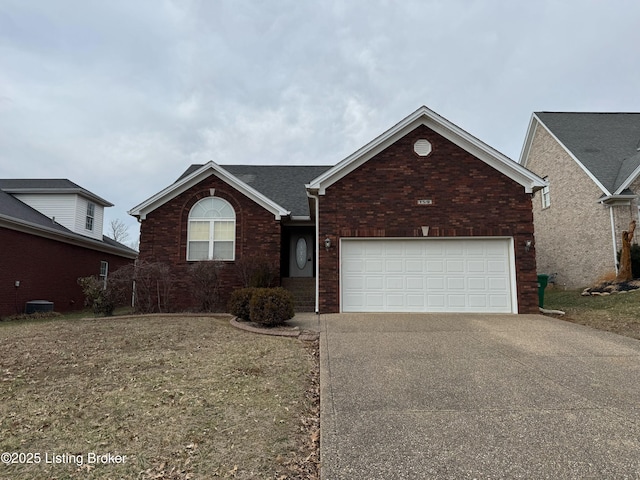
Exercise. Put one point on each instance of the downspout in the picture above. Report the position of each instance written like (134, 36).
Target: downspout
(317, 249)
(613, 239)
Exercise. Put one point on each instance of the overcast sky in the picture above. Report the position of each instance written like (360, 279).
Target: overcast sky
(121, 96)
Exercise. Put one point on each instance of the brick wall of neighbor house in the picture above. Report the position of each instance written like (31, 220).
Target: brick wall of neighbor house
(163, 238)
(47, 270)
(379, 199)
(573, 235)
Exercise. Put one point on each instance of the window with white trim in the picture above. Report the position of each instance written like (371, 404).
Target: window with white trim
(546, 198)
(104, 272)
(211, 233)
(91, 213)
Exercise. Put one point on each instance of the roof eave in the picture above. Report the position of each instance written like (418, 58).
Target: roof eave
(70, 238)
(142, 210)
(424, 116)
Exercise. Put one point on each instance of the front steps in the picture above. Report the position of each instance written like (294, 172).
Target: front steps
(303, 290)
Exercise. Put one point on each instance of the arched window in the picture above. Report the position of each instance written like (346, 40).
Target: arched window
(211, 234)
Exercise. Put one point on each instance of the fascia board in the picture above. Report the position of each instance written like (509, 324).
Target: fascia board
(630, 179)
(425, 116)
(186, 183)
(72, 239)
(528, 140)
(61, 191)
(575, 159)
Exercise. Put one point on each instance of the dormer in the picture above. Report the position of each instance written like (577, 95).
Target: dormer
(63, 201)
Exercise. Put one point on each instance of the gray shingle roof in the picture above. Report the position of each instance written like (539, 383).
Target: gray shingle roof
(48, 185)
(19, 212)
(605, 143)
(284, 184)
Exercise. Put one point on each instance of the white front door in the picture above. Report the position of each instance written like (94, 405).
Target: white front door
(427, 275)
(301, 256)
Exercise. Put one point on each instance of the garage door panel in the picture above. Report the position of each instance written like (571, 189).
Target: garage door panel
(414, 266)
(395, 283)
(477, 283)
(454, 266)
(435, 266)
(394, 266)
(434, 275)
(435, 283)
(373, 266)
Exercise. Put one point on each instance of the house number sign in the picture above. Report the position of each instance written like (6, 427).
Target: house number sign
(425, 201)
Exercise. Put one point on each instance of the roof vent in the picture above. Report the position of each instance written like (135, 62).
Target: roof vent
(422, 147)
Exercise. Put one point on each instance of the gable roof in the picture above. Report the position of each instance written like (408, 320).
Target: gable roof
(284, 184)
(265, 185)
(49, 186)
(605, 145)
(17, 215)
(424, 116)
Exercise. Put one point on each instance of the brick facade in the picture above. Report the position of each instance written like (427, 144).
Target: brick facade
(47, 270)
(470, 198)
(577, 250)
(163, 238)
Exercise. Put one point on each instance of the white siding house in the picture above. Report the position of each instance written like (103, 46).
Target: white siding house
(63, 202)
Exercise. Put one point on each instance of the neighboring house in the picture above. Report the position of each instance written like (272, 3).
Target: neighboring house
(592, 164)
(50, 235)
(424, 218)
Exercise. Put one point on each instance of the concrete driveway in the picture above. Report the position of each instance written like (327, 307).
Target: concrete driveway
(476, 396)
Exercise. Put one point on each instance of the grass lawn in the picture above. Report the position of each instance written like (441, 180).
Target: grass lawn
(175, 397)
(618, 313)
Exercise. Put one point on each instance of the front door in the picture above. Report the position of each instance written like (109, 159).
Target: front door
(301, 256)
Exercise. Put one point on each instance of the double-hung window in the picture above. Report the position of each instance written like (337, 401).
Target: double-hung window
(91, 213)
(211, 234)
(546, 197)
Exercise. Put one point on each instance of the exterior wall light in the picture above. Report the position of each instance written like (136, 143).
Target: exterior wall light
(527, 245)
(327, 243)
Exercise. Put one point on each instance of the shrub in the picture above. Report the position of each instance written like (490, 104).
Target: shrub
(104, 296)
(97, 295)
(153, 284)
(239, 303)
(206, 283)
(258, 272)
(271, 306)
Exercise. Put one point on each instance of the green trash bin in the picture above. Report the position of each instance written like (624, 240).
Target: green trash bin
(543, 281)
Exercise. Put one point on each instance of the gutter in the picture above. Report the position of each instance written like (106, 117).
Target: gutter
(317, 249)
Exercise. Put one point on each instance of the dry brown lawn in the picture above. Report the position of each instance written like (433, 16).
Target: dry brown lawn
(618, 313)
(175, 397)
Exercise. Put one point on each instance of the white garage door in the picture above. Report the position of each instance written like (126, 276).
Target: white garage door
(427, 275)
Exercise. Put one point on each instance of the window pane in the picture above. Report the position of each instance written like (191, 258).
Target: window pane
(198, 230)
(198, 251)
(224, 231)
(223, 250)
(212, 207)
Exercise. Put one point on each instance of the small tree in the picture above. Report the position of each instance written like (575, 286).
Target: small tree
(205, 277)
(153, 282)
(625, 273)
(119, 230)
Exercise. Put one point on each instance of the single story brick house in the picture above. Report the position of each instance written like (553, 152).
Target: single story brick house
(424, 218)
(51, 233)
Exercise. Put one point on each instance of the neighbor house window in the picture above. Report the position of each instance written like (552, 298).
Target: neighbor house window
(211, 233)
(104, 272)
(546, 199)
(91, 211)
